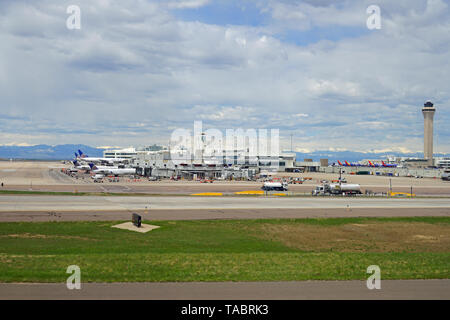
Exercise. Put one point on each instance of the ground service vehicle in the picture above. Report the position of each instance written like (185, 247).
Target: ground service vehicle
(98, 177)
(275, 186)
(337, 189)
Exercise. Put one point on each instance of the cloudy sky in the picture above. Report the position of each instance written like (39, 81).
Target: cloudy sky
(138, 69)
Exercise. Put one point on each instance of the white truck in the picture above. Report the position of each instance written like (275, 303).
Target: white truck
(337, 189)
(275, 186)
(98, 178)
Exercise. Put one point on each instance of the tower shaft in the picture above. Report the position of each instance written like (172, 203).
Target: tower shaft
(428, 118)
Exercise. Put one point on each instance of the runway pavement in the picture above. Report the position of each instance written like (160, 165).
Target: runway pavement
(32, 203)
(209, 214)
(97, 208)
(196, 187)
(295, 290)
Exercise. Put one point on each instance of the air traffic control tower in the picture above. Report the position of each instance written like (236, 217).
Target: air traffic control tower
(428, 116)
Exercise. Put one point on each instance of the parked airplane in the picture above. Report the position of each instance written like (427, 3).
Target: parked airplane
(388, 165)
(80, 166)
(347, 164)
(374, 165)
(85, 157)
(104, 167)
(355, 164)
(112, 171)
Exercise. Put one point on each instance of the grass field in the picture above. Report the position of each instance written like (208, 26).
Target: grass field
(228, 250)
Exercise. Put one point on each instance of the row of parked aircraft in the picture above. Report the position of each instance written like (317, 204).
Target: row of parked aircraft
(371, 164)
(96, 166)
(86, 158)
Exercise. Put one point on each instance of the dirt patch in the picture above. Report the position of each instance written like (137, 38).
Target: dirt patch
(371, 237)
(4, 258)
(420, 237)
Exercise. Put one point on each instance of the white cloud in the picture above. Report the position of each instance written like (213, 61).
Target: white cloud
(305, 15)
(394, 150)
(108, 147)
(323, 87)
(303, 150)
(18, 144)
(187, 4)
(134, 71)
(223, 113)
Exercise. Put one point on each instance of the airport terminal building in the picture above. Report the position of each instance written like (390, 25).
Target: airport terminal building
(237, 164)
(240, 164)
(230, 164)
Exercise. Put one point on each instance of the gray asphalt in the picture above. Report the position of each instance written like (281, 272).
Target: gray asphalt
(298, 290)
(208, 214)
(88, 203)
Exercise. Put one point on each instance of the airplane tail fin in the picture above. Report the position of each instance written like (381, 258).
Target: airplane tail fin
(82, 155)
(339, 163)
(93, 167)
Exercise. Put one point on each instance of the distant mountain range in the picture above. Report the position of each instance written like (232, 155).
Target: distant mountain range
(46, 152)
(66, 152)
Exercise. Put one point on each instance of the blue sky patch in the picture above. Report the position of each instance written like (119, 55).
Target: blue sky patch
(225, 13)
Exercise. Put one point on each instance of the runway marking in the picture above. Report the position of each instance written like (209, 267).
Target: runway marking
(208, 194)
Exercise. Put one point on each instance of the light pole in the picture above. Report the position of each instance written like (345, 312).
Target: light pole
(291, 143)
(390, 186)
